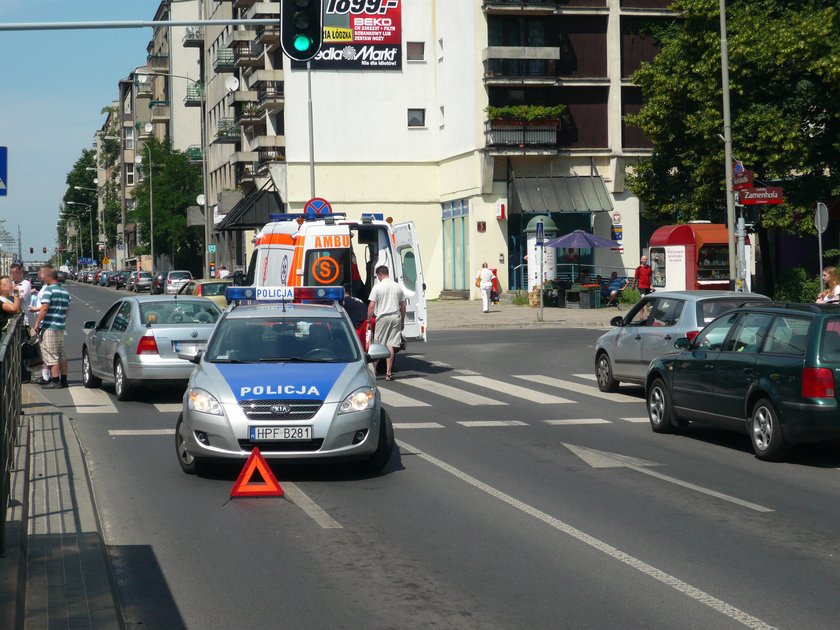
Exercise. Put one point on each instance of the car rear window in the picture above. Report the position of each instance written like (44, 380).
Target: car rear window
(178, 313)
(145, 275)
(830, 345)
(788, 335)
(214, 288)
(180, 275)
(708, 310)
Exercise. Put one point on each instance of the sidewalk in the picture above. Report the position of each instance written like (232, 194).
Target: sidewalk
(466, 314)
(54, 571)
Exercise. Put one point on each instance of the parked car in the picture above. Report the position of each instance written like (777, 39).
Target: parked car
(35, 280)
(103, 278)
(139, 338)
(96, 276)
(211, 289)
(61, 276)
(650, 328)
(158, 282)
(120, 279)
(768, 370)
(142, 281)
(175, 280)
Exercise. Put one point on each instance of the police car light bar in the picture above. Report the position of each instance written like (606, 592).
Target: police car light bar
(283, 294)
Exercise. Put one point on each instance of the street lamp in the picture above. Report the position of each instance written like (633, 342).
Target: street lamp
(139, 160)
(90, 208)
(141, 78)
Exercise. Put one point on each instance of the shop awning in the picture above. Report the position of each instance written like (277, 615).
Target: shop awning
(252, 211)
(573, 193)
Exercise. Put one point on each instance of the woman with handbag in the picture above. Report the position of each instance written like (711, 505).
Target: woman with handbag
(484, 281)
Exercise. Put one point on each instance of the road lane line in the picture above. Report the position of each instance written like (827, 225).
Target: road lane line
(315, 512)
(588, 377)
(91, 400)
(167, 407)
(579, 421)
(467, 372)
(675, 583)
(447, 391)
(531, 395)
(417, 425)
(492, 423)
(124, 432)
(393, 399)
(587, 390)
(639, 420)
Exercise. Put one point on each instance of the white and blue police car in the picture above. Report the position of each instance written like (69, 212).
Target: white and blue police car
(284, 371)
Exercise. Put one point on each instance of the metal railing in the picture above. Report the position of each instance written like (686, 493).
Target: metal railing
(10, 409)
(524, 134)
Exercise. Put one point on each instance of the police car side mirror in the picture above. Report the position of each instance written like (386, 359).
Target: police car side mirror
(192, 357)
(376, 352)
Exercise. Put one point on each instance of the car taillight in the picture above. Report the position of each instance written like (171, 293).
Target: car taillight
(198, 290)
(169, 282)
(817, 383)
(147, 345)
(691, 334)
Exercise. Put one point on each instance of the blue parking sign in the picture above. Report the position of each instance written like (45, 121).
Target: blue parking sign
(4, 152)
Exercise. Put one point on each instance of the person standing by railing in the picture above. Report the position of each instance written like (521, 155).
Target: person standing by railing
(9, 302)
(52, 318)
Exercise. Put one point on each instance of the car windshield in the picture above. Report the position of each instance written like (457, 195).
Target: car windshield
(275, 339)
(179, 313)
(709, 310)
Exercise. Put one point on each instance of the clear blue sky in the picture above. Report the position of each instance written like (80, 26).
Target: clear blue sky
(53, 86)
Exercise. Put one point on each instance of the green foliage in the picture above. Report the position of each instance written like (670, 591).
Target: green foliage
(784, 76)
(528, 113)
(520, 299)
(630, 296)
(80, 176)
(796, 285)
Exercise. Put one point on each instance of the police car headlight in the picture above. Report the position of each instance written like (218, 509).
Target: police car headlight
(359, 400)
(200, 400)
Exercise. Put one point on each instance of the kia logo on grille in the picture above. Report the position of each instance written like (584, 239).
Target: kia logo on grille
(280, 409)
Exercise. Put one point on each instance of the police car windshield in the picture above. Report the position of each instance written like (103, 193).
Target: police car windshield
(281, 340)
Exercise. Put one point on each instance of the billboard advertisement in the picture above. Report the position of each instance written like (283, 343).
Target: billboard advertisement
(360, 35)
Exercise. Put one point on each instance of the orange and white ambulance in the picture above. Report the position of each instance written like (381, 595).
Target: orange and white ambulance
(331, 250)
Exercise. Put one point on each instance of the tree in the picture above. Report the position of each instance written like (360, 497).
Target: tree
(82, 175)
(784, 74)
(175, 184)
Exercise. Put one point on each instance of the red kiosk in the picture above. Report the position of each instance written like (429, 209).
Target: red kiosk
(691, 256)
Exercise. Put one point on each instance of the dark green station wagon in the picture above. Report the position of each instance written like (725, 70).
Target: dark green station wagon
(769, 370)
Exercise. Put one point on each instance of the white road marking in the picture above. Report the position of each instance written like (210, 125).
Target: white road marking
(675, 583)
(125, 432)
(467, 372)
(393, 399)
(417, 425)
(588, 390)
(167, 407)
(639, 420)
(514, 390)
(580, 421)
(588, 377)
(315, 512)
(492, 423)
(447, 391)
(91, 400)
(439, 364)
(604, 459)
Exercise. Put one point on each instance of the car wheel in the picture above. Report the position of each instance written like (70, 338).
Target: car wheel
(90, 381)
(122, 386)
(604, 374)
(189, 464)
(766, 432)
(659, 408)
(382, 455)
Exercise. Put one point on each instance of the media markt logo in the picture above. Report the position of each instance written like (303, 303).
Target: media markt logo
(366, 55)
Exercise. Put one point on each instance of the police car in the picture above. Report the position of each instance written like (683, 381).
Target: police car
(285, 372)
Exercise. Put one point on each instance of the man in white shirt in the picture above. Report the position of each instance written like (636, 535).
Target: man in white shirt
(223, 273)
(387, 303)
(23, 287)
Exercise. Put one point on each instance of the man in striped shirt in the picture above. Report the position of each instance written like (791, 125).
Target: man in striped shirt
(51, 322)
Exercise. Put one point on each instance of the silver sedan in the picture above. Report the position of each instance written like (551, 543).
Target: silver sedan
(139, 338)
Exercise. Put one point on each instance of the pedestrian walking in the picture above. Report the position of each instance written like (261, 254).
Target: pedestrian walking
(484, 281)
(387, 303)
(9, 302)
(51, 322)
(223, 273)
(642, 277)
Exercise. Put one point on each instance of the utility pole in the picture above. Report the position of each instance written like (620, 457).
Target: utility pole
(727, 148)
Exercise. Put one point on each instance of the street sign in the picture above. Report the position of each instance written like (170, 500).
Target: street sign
(761, 196)
(211, 248)
(317, 206)
(742, 180)
(120, 246)
(106, 261)
(540, 233)
(821, 217)
(4, 153)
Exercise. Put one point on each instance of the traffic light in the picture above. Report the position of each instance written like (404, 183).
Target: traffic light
(301, 30)
(45, 250)
(31, 250)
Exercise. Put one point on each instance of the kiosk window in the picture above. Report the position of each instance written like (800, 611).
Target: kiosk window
(713, 263)
(657, 266)
(330, 267)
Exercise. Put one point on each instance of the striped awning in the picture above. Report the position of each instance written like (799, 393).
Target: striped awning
(572, 193)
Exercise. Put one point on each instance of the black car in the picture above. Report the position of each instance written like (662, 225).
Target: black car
(767, 370)
(120, 279)
(158, 283)
(35, 280)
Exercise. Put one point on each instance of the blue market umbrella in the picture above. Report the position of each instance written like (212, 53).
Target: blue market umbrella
(579, 240)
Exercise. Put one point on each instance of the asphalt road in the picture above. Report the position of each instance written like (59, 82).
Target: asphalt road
(515, 500)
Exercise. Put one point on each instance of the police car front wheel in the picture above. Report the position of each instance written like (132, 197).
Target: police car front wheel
(189, 464)
(382, 455)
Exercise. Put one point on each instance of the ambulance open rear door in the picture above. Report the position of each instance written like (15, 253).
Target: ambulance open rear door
(411, 279)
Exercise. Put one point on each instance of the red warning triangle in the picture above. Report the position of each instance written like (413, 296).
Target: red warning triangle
(244, 487)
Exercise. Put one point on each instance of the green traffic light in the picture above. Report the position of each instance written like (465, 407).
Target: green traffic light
(302, 42)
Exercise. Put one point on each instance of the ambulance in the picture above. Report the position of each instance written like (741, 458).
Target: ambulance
(296, 250)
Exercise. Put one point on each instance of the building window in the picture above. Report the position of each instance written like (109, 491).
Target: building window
(129, 138)
(415, 51)
(130, 205)
(416, 117)
(455, 228)
(129, 174)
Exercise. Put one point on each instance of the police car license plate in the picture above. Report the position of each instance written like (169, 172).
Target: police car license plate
(279, 434)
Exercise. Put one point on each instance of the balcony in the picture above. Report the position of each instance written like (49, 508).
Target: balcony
(251, 116)
(518, 65)
(243, 4)
(143, 90)
(195, 154)
(246, 55)
(246, 172)
(195, 93)
(158, 61)
(159, 110)
(228, 131)
(194, 37)
(537, 135)
(539, 7)
(142, 132)
(269, 35)
(270, 94)
(224, 61)
(268, 155)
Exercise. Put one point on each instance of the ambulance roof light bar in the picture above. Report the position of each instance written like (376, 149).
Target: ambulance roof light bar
(283, 295)
(294, 216)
